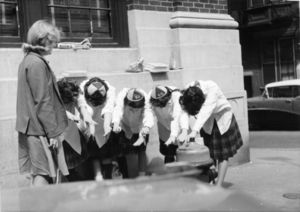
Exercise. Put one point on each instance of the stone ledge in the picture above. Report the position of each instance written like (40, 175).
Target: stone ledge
(202, 20)
(235, 94)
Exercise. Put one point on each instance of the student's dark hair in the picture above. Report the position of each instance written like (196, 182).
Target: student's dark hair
(96, 98)
(68, 89)
(162, 102)
(192, 100)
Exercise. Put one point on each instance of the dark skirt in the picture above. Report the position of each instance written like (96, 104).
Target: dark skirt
(222, 147)
(109, 150)
(127, 144)
(165, 150)
(73, 159)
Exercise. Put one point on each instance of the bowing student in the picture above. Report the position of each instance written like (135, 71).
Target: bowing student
(132, 118)
(75, 143)
(164, 101)
(97, 103)
(214, 120)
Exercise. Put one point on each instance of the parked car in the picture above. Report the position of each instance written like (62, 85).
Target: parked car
(278, 108)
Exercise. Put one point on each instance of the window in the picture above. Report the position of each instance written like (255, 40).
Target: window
(286, 59)
(9, 22)
(261, 3)
(281, 92)
(278, 58)
(103, 20)
(9, 18)
(268, 61)
(258, 3)
(296, 91)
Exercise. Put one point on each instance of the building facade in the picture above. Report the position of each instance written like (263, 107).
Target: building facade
(196, 37)
(269, 32)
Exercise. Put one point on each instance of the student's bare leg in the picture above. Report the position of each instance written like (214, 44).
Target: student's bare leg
(97, 170)
(222, 169)
(106, 166)
(132, 165)
(142, 157)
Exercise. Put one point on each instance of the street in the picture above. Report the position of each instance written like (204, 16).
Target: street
(273, 174)
(274, 139)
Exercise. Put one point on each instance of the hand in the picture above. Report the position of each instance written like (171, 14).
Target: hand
(87, 133)
(56, 141)
(183, 137)
(171, 140)
(90, 125)
(92, 129)
(117, 128)
(90, 122)
(72, 117)
(53, 143)
(139, 141)
(87, 119)
(144, 131)
(107, 131)
(192, 135)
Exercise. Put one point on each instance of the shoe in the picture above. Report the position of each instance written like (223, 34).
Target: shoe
(212, 175)
(137, 66)
(116, 173)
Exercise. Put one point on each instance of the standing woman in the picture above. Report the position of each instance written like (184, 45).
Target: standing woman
(215, 119)
(40, 111)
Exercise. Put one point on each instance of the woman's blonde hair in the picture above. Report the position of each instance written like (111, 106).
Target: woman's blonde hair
(40, 35)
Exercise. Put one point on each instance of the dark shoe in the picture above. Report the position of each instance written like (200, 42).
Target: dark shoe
(212, 175)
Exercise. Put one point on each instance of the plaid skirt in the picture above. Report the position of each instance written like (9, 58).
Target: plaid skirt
(222, 147)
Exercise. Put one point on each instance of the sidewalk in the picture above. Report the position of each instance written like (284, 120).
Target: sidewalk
(270, 174)
(274, 170)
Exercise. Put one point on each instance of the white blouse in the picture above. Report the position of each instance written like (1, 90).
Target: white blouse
(168, 116)
(131, 121)
(98, 112)
(215, 107)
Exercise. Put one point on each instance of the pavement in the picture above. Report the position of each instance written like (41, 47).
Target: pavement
(273, 174)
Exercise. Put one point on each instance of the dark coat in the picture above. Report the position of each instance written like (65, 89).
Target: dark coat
(39, 106)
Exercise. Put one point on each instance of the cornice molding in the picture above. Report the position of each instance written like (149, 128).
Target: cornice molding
(202, 20)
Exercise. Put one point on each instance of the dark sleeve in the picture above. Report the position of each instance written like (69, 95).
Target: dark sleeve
(42, 89)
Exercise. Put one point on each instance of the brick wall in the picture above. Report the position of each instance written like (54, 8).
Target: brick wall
(203, 6)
